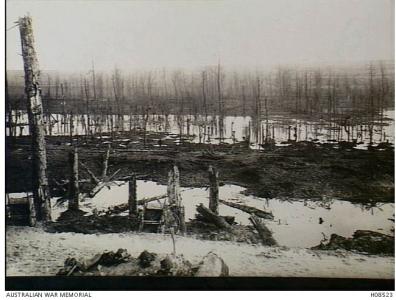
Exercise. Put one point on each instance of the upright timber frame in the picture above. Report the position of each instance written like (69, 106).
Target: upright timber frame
(42, 199)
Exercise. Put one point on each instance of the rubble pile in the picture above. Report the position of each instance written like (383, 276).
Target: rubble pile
(121, 263)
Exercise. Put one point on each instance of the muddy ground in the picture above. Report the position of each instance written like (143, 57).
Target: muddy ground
(298, 170)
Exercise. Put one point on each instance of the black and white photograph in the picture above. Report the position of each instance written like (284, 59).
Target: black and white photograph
(206, 144)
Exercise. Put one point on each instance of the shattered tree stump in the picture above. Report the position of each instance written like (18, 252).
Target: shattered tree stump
(174, 198)
(173, 189)
(105, 162)
(32, 212)
(132, 196)
(213, 190)
(41, 194)
(74, 191)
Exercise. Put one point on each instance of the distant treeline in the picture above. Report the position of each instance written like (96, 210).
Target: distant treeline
(365, 89)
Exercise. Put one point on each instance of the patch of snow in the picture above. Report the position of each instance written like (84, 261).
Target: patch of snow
(34, 252)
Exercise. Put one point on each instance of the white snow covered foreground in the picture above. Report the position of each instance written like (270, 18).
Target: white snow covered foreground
(34, 252)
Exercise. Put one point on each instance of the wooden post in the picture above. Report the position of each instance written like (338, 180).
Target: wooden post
(74, 191)
(87, 107)
(71, 127)
(174, 196)
(42, 199)
(105, 162)
(132, 197)
(182, 220)
(213, 190)
(32, 212)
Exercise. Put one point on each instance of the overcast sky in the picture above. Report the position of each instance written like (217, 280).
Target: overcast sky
(188, 34)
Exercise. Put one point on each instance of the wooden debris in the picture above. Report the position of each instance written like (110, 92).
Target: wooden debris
(249, 209)
(94, 179)
(264, 233)
(217, 220)
(102, 184)
(151, 199)
(125, 206)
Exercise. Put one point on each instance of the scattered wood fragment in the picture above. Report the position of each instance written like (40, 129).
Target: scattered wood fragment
(94, 179)
(102, 184)
(125, 206)
(249, 209)
(151, 199)
(219, 221)
(264, 233)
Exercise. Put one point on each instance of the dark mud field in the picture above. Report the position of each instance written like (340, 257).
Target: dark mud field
(304, 170)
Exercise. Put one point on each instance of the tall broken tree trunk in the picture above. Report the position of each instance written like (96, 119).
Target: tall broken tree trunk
(74, 191)
(132, 196)
(213, 190)
(41, 193)
(174, 196)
